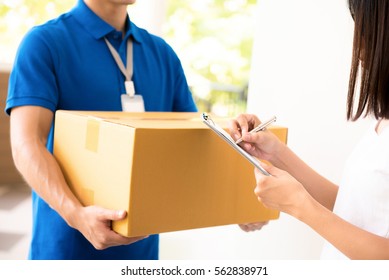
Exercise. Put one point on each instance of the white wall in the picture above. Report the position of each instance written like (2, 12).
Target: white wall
(149, 14)
(300, 70)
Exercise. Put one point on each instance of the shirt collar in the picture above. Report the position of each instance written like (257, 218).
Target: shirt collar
(97, 27)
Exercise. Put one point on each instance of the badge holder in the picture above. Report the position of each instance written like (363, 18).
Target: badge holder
(132, 102)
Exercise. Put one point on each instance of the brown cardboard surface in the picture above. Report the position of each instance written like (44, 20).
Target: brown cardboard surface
(8, 171)
(168, 170)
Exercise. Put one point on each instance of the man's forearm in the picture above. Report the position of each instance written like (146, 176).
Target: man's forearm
(43, 174)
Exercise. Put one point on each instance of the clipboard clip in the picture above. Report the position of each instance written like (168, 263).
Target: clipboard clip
(207, 118)
(220, 131)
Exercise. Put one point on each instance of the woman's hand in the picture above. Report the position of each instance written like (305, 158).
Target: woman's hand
(263, 144)
(281, 191)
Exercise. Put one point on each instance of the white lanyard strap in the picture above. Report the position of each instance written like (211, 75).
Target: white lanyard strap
(127, 71)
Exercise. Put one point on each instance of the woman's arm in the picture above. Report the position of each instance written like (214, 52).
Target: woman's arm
(317, 186)
(266, 146)
(284, 193)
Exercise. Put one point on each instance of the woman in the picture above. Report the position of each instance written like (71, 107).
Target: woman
(354, 216)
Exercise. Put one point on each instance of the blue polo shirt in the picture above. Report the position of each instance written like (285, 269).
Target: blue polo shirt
(66, 64)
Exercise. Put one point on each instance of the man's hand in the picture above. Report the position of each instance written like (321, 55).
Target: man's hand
(30, 126)
(253, 226)
(95, 223)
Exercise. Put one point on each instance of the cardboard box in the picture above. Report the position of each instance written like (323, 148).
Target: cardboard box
(168, 170)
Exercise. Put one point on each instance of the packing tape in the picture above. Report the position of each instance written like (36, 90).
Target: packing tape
(92, 135)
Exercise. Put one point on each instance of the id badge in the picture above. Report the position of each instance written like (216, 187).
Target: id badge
(132, 103)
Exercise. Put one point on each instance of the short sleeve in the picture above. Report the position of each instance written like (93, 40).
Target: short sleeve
(32, 80)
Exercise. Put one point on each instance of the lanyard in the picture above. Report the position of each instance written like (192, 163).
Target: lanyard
(127, 71)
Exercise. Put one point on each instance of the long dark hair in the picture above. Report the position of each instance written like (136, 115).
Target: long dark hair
(370, 60)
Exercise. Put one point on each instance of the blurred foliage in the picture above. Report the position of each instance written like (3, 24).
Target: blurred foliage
(18, 16)
(213, 39)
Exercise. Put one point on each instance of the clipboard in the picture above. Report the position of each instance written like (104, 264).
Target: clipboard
(227, 138)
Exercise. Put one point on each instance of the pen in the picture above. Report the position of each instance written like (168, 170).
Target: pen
(260, 127)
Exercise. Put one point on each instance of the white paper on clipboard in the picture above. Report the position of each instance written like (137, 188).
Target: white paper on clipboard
(226, 137)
